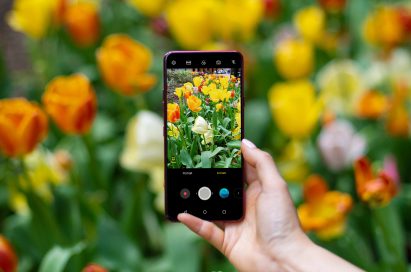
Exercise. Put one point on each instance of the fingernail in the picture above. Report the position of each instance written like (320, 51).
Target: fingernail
(248, 143)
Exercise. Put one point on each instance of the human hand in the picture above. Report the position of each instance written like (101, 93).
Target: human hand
(269, 238)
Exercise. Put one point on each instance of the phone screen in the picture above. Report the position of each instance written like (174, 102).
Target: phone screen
(203, 99)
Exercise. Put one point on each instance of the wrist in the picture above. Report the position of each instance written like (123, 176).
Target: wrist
(294, 252)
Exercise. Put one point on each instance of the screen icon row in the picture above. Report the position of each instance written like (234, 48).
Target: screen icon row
(203, 62)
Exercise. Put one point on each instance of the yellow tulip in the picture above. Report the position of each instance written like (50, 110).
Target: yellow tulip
(150, 8)
(32, 17)
(219, 107)
(173, 130)
(197, 80)
(194, 103)
(310, 23)
(178, 92)
(294, 58)
(341, 85)
(295, 107)
(190, 22)
(43, 170)
(293, 163)
(237, 19)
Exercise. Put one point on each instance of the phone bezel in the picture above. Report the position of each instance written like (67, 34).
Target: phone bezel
(195, 57)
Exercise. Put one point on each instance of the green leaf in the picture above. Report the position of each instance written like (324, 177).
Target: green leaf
(57, 258)
(216, 151)
(114, 249)
(206, 159)
(256, 120)
(227, 162)
(186, 159)
(234, 144)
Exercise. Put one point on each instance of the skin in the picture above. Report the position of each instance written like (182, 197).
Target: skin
(269, 238)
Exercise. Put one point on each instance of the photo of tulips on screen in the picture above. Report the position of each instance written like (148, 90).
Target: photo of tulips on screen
(204, 118)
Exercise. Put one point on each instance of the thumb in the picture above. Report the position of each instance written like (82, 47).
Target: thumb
(264, 164)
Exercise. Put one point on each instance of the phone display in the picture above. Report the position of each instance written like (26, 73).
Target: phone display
(203, 128)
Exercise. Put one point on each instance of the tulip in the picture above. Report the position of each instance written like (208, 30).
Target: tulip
(376, 190)
(71, 102)
(197, 81)
(339, 145)
(200, 125)
(8, 258)
(295, 107)
(372, 104)
(22, 126)
(310, 23)
(383, 27)
(324, 212)
(32, 17)
(82, 22)
(190, 22)
(178, 92)
(341, 85)
(271, 8)
(151, 8)
(173, 130)
(294, 58)
(219, 107)
(124, 63)
(293, 163)
(333, 5)
(237, 20)
(143, 149)
(94, 268)
(398, 121)
(194, 103)
(44, 170)
(173, 112)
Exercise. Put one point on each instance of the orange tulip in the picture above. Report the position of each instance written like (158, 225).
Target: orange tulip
(372, 104)
(376, 190)
(173, 112)
(194, 103)
(8, 259)
(94, 268)
(71, 102)
(398, 121)
(83, 22)
(22, 126)
(323, 211)
(384, 27)
(124, 63)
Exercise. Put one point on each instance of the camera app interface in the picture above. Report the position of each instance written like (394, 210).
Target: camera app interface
(203, 118)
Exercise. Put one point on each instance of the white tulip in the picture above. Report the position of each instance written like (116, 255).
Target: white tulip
(143, 150)
(200, 126)
(339, 145)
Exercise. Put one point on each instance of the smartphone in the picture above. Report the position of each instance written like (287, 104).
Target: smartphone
(203, 128)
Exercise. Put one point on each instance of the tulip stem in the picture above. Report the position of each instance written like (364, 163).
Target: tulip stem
(94, 165)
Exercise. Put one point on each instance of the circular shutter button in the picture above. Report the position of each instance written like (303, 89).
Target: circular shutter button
(204, 193)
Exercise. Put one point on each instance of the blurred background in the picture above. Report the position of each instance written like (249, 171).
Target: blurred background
(328, 87)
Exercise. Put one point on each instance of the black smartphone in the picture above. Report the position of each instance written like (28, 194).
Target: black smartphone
(203, 128)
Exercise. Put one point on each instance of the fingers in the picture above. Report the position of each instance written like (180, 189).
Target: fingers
(210, 232)
(263, 163)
